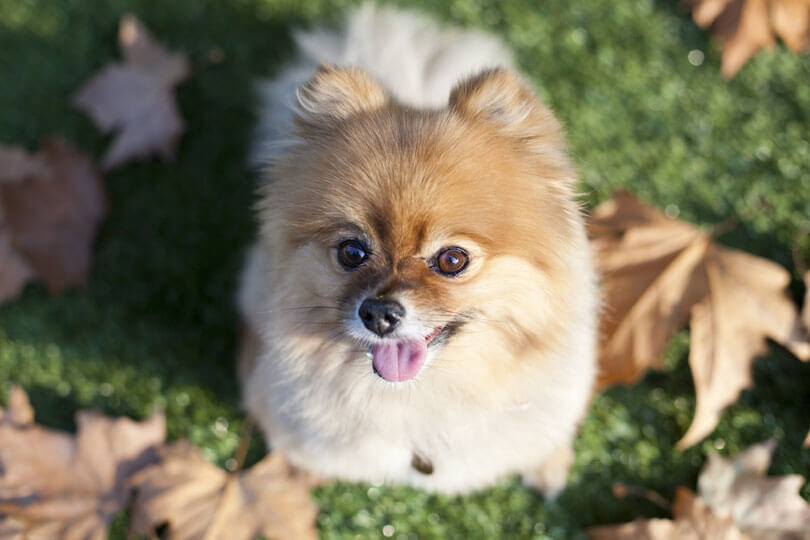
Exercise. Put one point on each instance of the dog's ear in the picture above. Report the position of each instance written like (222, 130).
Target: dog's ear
(500, 97)
(339, 93)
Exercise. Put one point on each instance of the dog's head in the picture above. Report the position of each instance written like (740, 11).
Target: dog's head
(404, 234)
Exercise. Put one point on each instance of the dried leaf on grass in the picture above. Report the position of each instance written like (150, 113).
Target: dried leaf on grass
(199, 500)
(736, 499)
(135, 98)
(16, 164)
(657, 273)
(50, 209)
(14, 271)
(18, 411)
(762, 506)
(693, 520)
(55, 485)
(746, 26)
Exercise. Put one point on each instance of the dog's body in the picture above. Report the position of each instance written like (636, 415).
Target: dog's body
(421, 306)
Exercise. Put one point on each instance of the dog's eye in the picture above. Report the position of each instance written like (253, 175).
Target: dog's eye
(351, 254)
(451, 261)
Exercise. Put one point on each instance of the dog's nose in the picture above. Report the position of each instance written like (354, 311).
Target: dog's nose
(381, 316)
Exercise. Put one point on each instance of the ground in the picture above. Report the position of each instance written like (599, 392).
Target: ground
(156, 325)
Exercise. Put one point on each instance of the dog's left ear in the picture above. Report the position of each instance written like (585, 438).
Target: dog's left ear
(338, 93)
(500, 97)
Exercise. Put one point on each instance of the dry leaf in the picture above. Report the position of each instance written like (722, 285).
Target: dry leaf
(11, 529)
(135, 98)
(746, 304)
(648, 264)
(14, 271)
(54, 485)
(198, 500)
(693, 520)
(800, 344)
(18, 411)
(656, 272)
(16, 164)
(746, 26)
(791, 22)
(763, 507)
(49, 218)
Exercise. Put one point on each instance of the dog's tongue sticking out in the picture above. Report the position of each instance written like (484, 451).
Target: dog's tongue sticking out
(400, 360)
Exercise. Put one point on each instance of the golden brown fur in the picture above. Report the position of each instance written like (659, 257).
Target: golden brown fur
(487, 173)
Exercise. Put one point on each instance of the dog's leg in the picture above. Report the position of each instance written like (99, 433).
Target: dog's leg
(550, 477)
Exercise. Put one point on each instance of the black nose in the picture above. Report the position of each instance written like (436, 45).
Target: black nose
(381, 316)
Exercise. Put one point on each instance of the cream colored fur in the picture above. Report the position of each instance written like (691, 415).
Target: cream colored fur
(473, 421)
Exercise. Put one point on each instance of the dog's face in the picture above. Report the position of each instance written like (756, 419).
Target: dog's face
(406, 235)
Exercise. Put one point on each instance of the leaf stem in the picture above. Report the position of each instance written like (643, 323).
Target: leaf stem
(244, 443)
(623, 490)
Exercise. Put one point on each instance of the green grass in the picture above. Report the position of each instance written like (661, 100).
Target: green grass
(156, 327)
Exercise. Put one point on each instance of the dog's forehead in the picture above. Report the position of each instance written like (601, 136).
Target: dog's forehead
(409, 180)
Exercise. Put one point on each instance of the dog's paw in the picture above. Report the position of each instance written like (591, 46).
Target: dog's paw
(551, 476)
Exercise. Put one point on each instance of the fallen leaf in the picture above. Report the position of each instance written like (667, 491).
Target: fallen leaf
(746, 26)
(791, 22)
(16, 164)
(743, 29)
(657, 272)
(48, 220)
(134, 99)
(649, 265)
(693, 520)
(763, 507)
(799, 345)
(199, 500)
(55, 485)
(14, 271)
(746, 304)
(141, 51)
(18, 411)
(11, 529)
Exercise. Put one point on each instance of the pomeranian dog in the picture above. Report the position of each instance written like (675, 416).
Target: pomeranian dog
(420, 305)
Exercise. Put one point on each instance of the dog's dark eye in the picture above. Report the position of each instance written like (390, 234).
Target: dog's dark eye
(451, 261)
(351, 254)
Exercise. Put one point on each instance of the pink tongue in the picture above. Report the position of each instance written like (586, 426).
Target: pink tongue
(399, 361)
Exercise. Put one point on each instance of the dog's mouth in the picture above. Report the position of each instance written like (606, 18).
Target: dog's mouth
(398, 361)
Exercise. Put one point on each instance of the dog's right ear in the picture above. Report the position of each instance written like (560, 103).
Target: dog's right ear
(339, 93)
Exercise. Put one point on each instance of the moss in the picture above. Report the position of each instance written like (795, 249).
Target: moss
(156, 327)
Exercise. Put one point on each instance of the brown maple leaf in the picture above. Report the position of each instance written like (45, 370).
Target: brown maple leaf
(198, 500)
(49, 213)
(693, 520)
(746, 26)
(135, 98)
(657, 272)
(762, 506)
(55, 485)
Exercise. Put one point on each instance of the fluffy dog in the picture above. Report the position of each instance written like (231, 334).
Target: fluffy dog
(420, 304)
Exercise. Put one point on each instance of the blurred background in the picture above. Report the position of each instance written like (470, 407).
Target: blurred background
(637, 85)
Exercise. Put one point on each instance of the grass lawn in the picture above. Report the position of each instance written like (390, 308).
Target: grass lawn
(156, 326)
